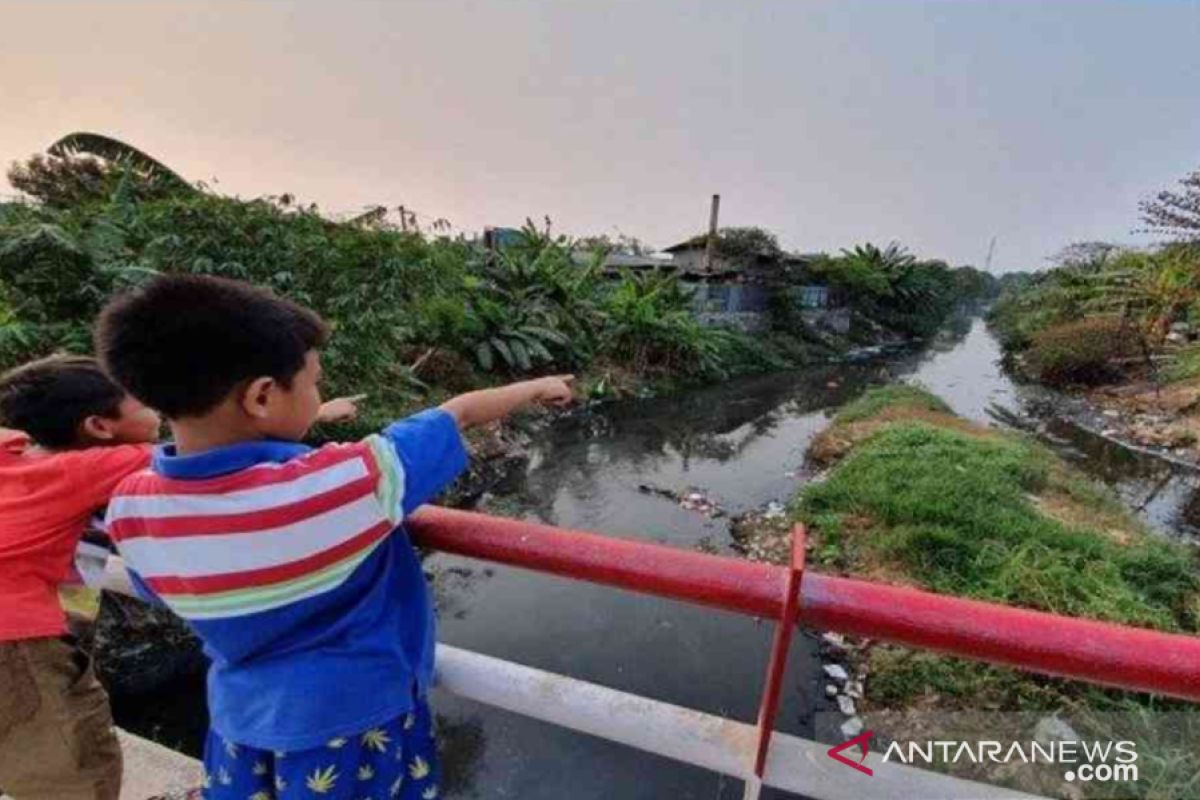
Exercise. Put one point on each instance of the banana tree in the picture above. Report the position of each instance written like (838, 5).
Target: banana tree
(119, 153)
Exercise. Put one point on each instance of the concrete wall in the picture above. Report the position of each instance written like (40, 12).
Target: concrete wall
(836, 320)
(748, 321)
(728, 297)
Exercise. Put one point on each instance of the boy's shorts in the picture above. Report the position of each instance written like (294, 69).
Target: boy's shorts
(395, 760)
(56, 730)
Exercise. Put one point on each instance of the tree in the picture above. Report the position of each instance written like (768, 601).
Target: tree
(116, 152)
(63, 182)
(747, 243)
(1175, 214)
(1086, 256)
(741, 244)
(620, 243)
(85, 167)
(974, 284)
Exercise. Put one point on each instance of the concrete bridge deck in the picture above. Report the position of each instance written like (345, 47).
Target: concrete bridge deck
(154, 772)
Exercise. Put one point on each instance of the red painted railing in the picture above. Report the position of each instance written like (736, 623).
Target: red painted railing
(1103, 653)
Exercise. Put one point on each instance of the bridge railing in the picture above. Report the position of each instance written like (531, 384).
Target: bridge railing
(1097, 652)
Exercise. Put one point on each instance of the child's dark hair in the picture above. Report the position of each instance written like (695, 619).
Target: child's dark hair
(182, 343)
(50, 398)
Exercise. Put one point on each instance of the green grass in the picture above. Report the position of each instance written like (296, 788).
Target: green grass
(899, 394)
(958, 514)
(954, 512)
(1184, 366)
(957, 509)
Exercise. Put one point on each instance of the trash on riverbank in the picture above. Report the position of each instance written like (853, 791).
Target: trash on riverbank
(691, 500)
(764, 535)
(1161, 418)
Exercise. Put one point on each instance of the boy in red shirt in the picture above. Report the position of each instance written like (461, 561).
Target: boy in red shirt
(77, 435)
(69, 435)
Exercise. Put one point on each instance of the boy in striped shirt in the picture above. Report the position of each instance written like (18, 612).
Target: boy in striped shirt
(289, 562)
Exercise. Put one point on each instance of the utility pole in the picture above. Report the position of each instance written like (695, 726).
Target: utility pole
(987, 265)
(403, 220)
(711, 245)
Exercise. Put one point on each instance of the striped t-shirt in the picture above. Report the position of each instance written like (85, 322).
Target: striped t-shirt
(290, 565)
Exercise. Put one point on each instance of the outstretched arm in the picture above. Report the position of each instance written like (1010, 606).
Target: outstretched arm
(340, 409)
(485, 405)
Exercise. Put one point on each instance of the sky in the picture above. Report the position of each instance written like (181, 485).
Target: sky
(935, 124)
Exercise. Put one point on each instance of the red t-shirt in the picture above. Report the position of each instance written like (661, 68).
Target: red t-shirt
(46, 501)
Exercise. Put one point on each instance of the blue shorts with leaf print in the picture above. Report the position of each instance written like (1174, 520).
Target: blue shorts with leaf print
(395, 760)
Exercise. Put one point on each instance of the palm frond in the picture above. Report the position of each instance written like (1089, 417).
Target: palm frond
(118, 152)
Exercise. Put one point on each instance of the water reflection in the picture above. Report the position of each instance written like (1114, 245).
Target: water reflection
(1165, 495)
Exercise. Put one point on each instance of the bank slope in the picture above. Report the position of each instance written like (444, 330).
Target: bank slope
(917, 496)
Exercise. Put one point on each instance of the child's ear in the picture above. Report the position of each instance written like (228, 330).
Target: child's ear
(256, 399)
(98, 428)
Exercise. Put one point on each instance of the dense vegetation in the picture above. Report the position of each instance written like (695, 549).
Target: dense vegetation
(415, 312)
(1129, 298)
(923, 498)
(897, 291)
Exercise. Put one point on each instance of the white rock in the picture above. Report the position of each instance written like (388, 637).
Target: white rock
(836, 672)
(834, 640)
(854, 689)
(1051, 729)
(775, 510)
(852, 727)
(830, 690)
(696, 497)
(1111, 412)
(846, 705)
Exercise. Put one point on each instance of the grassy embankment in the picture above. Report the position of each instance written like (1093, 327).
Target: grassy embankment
(920, 497)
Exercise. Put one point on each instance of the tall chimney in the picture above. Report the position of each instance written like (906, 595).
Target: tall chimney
(711, 245)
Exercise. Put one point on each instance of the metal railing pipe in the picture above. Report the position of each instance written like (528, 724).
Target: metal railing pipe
(1115, 655)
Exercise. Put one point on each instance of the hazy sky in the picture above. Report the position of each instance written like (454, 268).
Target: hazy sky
(938, 124)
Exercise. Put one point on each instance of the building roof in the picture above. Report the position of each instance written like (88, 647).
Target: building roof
(695, 243)
(624, 260)
(700, 242)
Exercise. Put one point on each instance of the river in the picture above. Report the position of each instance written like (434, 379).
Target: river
(742, 444)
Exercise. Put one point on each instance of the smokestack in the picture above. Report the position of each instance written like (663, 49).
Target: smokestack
(711, 245)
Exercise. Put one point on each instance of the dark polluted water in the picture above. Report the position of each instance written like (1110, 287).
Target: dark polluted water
(742, 444)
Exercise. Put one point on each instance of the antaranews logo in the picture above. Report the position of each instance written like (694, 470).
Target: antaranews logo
(1085, 760)
(863, 740)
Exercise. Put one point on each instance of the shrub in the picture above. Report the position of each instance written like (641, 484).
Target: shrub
(1089, 351)
(650, 326)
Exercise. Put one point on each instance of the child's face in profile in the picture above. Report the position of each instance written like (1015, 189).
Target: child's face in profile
(135, 423)
(292, 410)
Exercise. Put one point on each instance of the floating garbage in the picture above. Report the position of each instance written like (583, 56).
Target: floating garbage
(691, 500)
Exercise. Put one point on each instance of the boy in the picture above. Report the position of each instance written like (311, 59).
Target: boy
(71, 436)
(76, 436)
(290, 563)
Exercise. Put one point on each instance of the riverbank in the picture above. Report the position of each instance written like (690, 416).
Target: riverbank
(1115, 331)
(1154, 410)
(915, 495)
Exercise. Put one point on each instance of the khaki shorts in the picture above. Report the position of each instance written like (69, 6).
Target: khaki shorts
(57, 740)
